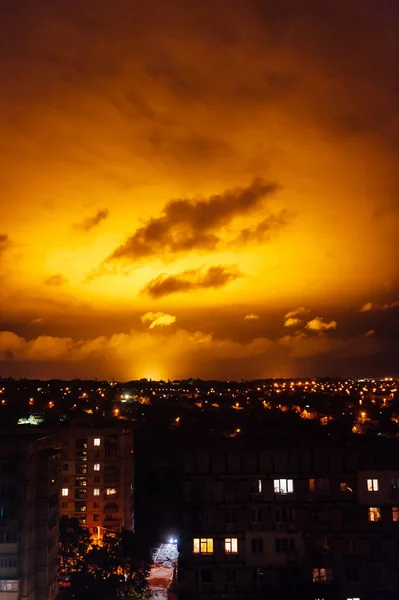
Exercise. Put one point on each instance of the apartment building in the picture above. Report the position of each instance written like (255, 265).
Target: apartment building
(29, 514)
(97, 474)
(311, 518)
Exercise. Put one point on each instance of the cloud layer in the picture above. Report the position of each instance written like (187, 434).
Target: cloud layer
(192, 279)
(186, 225)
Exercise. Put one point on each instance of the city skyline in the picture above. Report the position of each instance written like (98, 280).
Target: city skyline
(205, 193)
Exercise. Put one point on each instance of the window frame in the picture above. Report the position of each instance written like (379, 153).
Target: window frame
(283, 486)
(231, 545)
(372, 485)
(370, 511)
(203, 546)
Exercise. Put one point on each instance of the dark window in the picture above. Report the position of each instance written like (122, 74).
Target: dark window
(256, 515)
(351, 546)
(231, 576)
(7, 491)
(284, 515)
(206, 576)
(258, 575)
(81, 444)
(65, 467)
(351, 574)
(229, 486)
(96, 504)
(230, 516)
(322, 544)
(257, 545)
(96, 518)
(395, 483)
(285, 545)
(111, 466)
(65, 505)
(80, 506)
(96, 479)
(320, 486)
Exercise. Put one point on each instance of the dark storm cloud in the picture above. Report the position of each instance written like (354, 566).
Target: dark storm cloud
(5, 242)
(262, 231)
(187, 224)
(91, 222)
(192, 279)
(55, 280)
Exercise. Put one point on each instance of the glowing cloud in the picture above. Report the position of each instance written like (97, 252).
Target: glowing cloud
(369, 306)
(366, 307)
(318, 324)
(158, 319)
(369, 333)
(296, 312)
(251, 317)
(292, 321)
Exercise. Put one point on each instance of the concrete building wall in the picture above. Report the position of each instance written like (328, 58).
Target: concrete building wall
(97, 476)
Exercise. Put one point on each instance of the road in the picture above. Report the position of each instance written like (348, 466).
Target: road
(161, 573)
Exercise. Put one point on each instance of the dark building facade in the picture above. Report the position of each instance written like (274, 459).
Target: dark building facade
(313, 518)
(29, 515)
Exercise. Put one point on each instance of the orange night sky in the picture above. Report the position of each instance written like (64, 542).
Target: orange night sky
(199, 189)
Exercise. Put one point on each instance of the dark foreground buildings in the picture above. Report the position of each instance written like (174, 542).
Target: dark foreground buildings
(29, 514)
(314, 519)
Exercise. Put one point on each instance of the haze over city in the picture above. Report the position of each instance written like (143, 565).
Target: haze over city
(206, 193)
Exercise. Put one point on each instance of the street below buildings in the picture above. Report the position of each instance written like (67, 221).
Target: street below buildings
(161, 573)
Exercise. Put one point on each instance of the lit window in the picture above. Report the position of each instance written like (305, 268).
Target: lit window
(283, 486)
(96, 466)
(374, 514)
(96, 492)
(65, 491)
(97, 441)
(8, 585)
(353, 599)
(322, 575)
(372, 485)
(110, 491)
(231, 545)
(395, 513)
(203, 545)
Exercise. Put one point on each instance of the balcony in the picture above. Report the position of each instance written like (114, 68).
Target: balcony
(111, 509)
(110, 523)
